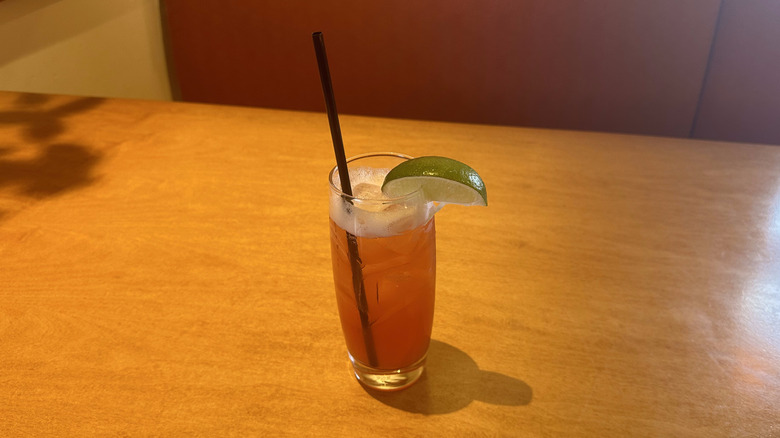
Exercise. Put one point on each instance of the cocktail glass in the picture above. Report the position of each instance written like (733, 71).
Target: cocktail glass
(384, 269)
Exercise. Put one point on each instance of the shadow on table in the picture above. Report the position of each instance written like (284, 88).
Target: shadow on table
(451, 381)
(42, 166)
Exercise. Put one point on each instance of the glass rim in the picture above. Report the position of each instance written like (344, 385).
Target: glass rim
(337, 190)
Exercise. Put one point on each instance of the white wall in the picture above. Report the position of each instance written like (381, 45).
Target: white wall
(110, 48)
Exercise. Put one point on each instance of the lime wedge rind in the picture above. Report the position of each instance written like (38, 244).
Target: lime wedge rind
(442, 180)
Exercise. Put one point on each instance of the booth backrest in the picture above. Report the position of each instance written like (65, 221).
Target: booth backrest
(605, 65)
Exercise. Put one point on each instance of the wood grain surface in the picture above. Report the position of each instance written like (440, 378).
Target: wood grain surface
(165, 272)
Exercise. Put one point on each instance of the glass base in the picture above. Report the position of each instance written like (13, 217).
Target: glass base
(387, 380)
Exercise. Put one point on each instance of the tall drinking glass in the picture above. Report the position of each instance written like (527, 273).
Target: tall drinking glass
(384, 269)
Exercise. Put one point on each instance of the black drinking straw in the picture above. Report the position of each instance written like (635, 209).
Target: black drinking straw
(346, 187)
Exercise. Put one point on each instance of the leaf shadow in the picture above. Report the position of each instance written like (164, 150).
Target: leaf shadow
(42, 165)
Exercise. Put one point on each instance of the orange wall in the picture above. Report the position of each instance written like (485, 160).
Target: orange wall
(83, 47)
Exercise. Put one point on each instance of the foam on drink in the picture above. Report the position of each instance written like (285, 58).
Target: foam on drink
(372, 214)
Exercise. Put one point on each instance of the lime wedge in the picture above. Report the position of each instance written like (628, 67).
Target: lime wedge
(442, 180)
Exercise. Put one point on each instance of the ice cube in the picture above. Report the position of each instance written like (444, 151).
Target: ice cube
(401, 224)
(368, 191)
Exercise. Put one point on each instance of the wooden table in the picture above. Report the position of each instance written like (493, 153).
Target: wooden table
(166, 271)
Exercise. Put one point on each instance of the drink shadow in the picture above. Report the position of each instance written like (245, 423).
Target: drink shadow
(451, 381)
